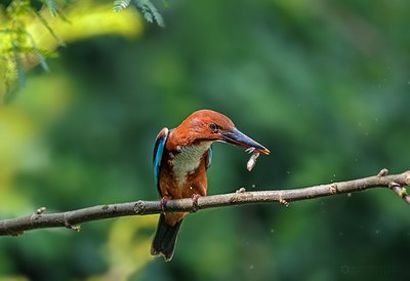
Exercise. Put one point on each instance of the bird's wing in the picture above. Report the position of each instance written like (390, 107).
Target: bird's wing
(209, 158)
(158, 151)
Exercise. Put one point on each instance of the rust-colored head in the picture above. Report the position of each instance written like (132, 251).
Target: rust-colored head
(209, 125)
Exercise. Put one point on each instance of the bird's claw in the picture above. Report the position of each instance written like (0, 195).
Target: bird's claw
(163, 204)
(195, 205)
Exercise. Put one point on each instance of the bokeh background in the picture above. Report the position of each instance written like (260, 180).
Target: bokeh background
(323, 84)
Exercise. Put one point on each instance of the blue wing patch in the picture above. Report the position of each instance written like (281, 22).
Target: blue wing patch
(209, 158)
(158, 151)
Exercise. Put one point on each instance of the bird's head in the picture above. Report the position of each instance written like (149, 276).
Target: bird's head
(208, 125)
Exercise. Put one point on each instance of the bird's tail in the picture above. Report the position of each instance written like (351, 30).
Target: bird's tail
(165, 237)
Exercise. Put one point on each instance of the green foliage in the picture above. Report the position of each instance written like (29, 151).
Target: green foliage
(146, 7)
(17, 44)
(150, 12)
(119, 5)
(323, 84)
(52, 6)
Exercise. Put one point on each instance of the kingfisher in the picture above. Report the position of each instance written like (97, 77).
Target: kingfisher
(182, 157)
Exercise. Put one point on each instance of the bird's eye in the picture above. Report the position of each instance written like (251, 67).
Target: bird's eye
(213, 127)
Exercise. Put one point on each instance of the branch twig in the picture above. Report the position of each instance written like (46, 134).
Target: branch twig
(71, 219)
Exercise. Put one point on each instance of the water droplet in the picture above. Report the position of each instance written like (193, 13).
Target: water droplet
(349, 194)
(251, 267)
(272, 230)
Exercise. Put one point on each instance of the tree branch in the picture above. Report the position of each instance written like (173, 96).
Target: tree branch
(71, 219)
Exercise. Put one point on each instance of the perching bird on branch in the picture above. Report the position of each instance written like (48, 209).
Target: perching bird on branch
(181, 158)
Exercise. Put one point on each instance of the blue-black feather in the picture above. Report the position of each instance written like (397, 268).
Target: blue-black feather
(158, 152)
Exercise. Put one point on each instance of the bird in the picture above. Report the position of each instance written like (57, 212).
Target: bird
(181, 159)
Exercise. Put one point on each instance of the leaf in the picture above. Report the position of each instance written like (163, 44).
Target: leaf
(19, 67)
(51, 5)
(120, 5)
(30, 36)
(150, 12)
(38, 53)
(42, 61)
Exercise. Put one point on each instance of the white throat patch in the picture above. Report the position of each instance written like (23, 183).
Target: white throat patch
(188, 160)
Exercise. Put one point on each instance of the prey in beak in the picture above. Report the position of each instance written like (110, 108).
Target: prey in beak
(236, 137)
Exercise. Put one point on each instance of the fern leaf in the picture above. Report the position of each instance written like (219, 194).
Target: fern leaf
(43, 62)
(150, 12)
(39, 54)
(18, 65)
(51, 5)
(120, 5)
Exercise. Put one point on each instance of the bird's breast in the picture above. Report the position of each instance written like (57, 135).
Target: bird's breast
(187, 160)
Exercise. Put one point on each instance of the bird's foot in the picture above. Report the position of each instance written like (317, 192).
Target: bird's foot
(163, 204)
(195, 206)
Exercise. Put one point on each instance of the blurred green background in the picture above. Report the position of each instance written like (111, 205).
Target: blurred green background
(325, 85)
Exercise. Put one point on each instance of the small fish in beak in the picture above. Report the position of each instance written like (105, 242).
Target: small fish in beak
(252, 160)
(236, 137)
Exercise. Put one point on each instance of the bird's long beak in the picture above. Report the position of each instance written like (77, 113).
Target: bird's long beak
(236, 137)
